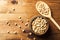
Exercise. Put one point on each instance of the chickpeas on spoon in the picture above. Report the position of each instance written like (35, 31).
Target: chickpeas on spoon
(45, 11)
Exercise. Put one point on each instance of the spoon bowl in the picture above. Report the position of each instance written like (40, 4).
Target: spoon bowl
(43, 9)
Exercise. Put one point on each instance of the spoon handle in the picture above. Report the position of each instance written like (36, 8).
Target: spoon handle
(55, 22)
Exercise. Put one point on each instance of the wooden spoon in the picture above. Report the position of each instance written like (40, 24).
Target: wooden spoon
(45, 11)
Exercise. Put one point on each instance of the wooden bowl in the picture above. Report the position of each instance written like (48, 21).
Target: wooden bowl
(30, 25)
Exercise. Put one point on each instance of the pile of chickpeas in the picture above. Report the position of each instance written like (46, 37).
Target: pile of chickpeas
(39, 25)
(43, 8)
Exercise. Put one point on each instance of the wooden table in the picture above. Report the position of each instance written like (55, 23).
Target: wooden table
(26, 9)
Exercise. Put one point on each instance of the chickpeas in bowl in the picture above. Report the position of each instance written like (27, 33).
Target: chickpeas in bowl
(39, 25)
